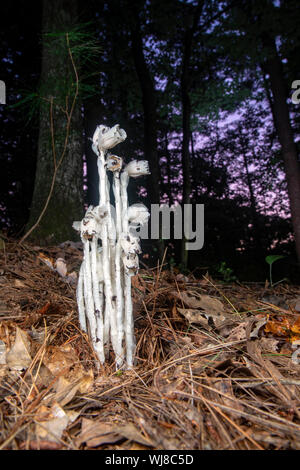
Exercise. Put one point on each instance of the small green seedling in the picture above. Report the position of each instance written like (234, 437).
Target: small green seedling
(270, 260)
(226, 272)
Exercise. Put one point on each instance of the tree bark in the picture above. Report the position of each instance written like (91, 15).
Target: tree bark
(282, 123)
(185, 83)
(66, 203)
(149, 108)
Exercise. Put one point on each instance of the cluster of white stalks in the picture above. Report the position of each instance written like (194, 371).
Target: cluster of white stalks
(111, 248)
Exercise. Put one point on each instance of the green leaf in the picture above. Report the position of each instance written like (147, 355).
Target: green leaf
(272, 258)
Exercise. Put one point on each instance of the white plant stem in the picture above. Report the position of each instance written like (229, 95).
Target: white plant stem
(104, 283)
(119, 290)
(98, 303)
(110, 315)
(80, 300)
(88, 292)
(129, 338)
(129, 333)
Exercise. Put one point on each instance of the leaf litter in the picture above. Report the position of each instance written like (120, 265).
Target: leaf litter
(217, 364)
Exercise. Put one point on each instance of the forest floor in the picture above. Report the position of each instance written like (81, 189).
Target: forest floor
(217, 364)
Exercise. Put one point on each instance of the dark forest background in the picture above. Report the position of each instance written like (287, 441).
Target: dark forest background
(203, 90)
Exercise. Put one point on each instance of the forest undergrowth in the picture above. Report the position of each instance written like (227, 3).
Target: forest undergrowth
(216, 363)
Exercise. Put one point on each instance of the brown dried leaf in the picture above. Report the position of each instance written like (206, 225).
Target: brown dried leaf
(260, 323)
(193, 316)
(129, 431)
(51, 422)
(192, 299)
(45, 259)
(238, 333)
(19, 358)
(61, 267)
(19, 283)
(65, 390)
(97, 433)
(59, 358)
(76, 381)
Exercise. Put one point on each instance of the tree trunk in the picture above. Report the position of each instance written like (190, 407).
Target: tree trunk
(66, 203)
(149, 108)
(186, 117)
(92, 111)
(282, 124)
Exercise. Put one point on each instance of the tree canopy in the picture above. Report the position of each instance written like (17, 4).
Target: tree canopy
(203, 89)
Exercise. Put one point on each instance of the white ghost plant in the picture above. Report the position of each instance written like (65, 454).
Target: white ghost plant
(110, 253)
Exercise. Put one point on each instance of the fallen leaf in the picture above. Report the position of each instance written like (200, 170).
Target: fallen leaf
(238, 332)
(72, 278)
(19, 283)
(295, 304)
(86, 381)
(18, 357)
(295, 328)
(65, 390)
(212, 307)
(193, 316)
(279, 328)
(260, 323)
(50, 423)
(97, 433)
(45, 259)
(130, 431)
(77, 381)
(59, 358)
(61, 267)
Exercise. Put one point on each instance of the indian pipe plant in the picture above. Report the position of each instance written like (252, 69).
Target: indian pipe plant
(111, 248)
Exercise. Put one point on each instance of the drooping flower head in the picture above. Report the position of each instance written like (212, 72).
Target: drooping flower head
(130, 244)
(131, 264)
(114, 163)
(92, 222)
(137, 168)
(105, 138)
(138, 214)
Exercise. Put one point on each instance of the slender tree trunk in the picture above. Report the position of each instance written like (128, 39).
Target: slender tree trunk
(149, 107)
(282, 123)
(169, 172)
(92, 113)
(186, 117)
(66, 203)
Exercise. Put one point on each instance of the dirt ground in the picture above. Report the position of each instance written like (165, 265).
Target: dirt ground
(216, 364)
